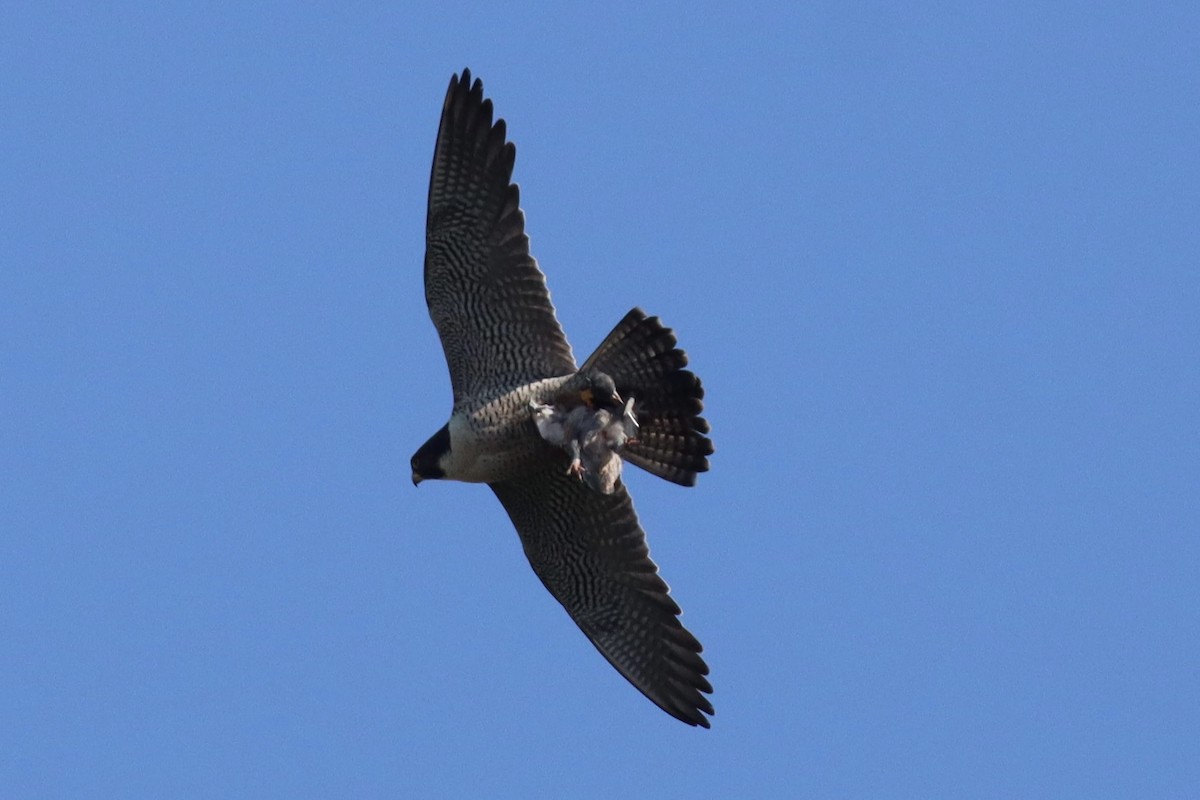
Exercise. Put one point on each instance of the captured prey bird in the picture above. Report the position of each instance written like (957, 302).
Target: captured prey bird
(591, 433)
(595, 450)
(507, 356)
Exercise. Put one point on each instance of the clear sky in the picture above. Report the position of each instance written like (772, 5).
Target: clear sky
(937, 266)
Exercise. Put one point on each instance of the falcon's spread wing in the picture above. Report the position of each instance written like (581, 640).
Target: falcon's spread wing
(590, 552)
(485, 293)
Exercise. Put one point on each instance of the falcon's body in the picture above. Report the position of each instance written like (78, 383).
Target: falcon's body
(492, 441)
(505, 351)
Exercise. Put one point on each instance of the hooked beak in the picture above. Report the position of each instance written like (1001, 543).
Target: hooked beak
(589, 398)
(416, 478)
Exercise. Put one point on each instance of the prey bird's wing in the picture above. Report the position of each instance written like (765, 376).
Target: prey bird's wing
(485, 293)
(590, 552)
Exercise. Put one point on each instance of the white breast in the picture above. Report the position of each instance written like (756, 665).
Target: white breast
(498, 440)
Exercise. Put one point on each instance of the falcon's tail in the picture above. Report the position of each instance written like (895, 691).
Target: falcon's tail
(641, 357)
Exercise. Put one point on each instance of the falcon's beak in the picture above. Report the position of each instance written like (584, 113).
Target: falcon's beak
(416, 478)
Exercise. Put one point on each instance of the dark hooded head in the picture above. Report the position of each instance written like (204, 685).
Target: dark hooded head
(427, 461)
(601, 391)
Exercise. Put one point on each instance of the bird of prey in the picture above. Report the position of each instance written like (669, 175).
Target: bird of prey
(505, 350)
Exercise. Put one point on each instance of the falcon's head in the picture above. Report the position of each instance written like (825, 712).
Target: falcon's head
(429, 462)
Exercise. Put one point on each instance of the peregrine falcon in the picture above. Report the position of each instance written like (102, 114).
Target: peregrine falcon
(506, 353)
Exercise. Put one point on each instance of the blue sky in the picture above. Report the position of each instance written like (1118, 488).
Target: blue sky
(937, 267)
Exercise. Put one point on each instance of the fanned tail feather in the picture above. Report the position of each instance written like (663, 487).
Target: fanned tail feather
(641, 356)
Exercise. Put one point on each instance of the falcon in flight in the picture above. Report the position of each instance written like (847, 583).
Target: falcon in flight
(507, 353)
